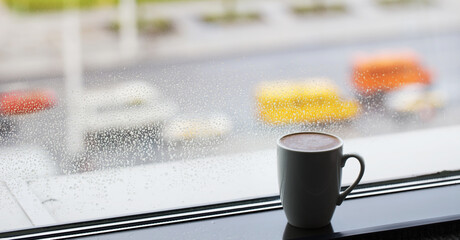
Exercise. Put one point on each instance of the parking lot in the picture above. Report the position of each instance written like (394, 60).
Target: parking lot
(226, 86)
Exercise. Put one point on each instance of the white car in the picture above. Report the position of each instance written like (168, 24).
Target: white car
(201, 128)
(125, 106)
(415, 99)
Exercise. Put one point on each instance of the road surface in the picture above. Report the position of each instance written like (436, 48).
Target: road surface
(226, 85)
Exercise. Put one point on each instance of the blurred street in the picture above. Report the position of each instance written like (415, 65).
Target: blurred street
(192, 86)
(209, 69)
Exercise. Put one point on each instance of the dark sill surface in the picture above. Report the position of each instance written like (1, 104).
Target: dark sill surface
(355, 217)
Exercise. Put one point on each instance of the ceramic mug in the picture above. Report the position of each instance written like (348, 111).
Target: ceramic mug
(309, 176)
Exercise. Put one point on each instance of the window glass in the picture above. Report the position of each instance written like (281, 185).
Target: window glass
(110, 108)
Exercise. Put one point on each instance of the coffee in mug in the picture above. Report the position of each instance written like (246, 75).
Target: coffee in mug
(309, 176)
(310, 141)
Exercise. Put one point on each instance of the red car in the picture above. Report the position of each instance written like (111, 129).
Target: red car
(26, 101)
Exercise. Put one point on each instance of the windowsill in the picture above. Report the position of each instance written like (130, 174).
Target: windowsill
(355, 217)
(151, 188)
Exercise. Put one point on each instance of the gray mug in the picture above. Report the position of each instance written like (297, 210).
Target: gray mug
(309, 177)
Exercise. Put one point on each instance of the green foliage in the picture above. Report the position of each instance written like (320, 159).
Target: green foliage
(149, 26)
(318, 7)
(403, 2)
(231, 17)
(31, 6)
(54, 5)
(153, 26)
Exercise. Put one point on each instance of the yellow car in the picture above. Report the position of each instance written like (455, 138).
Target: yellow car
(290, 102)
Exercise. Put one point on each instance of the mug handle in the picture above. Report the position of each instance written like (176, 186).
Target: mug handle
(345, 157)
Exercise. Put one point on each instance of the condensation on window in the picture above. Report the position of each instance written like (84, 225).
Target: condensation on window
(110, 85)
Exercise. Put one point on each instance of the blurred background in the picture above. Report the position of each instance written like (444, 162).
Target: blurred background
(90, 85)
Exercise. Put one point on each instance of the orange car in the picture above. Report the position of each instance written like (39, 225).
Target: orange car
(386, 72)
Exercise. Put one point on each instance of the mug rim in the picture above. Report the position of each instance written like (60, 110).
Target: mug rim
(310, 151)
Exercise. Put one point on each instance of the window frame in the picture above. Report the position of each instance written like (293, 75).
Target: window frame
(226, 209)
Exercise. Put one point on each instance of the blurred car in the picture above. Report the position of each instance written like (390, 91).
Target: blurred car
(202, 128)
(125, 105)
(26, 101)
(20, 102)
(290, 102)
(388, 71)
(415, 99)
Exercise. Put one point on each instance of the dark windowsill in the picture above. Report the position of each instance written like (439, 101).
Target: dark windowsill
(386, 213)
(374, 209)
